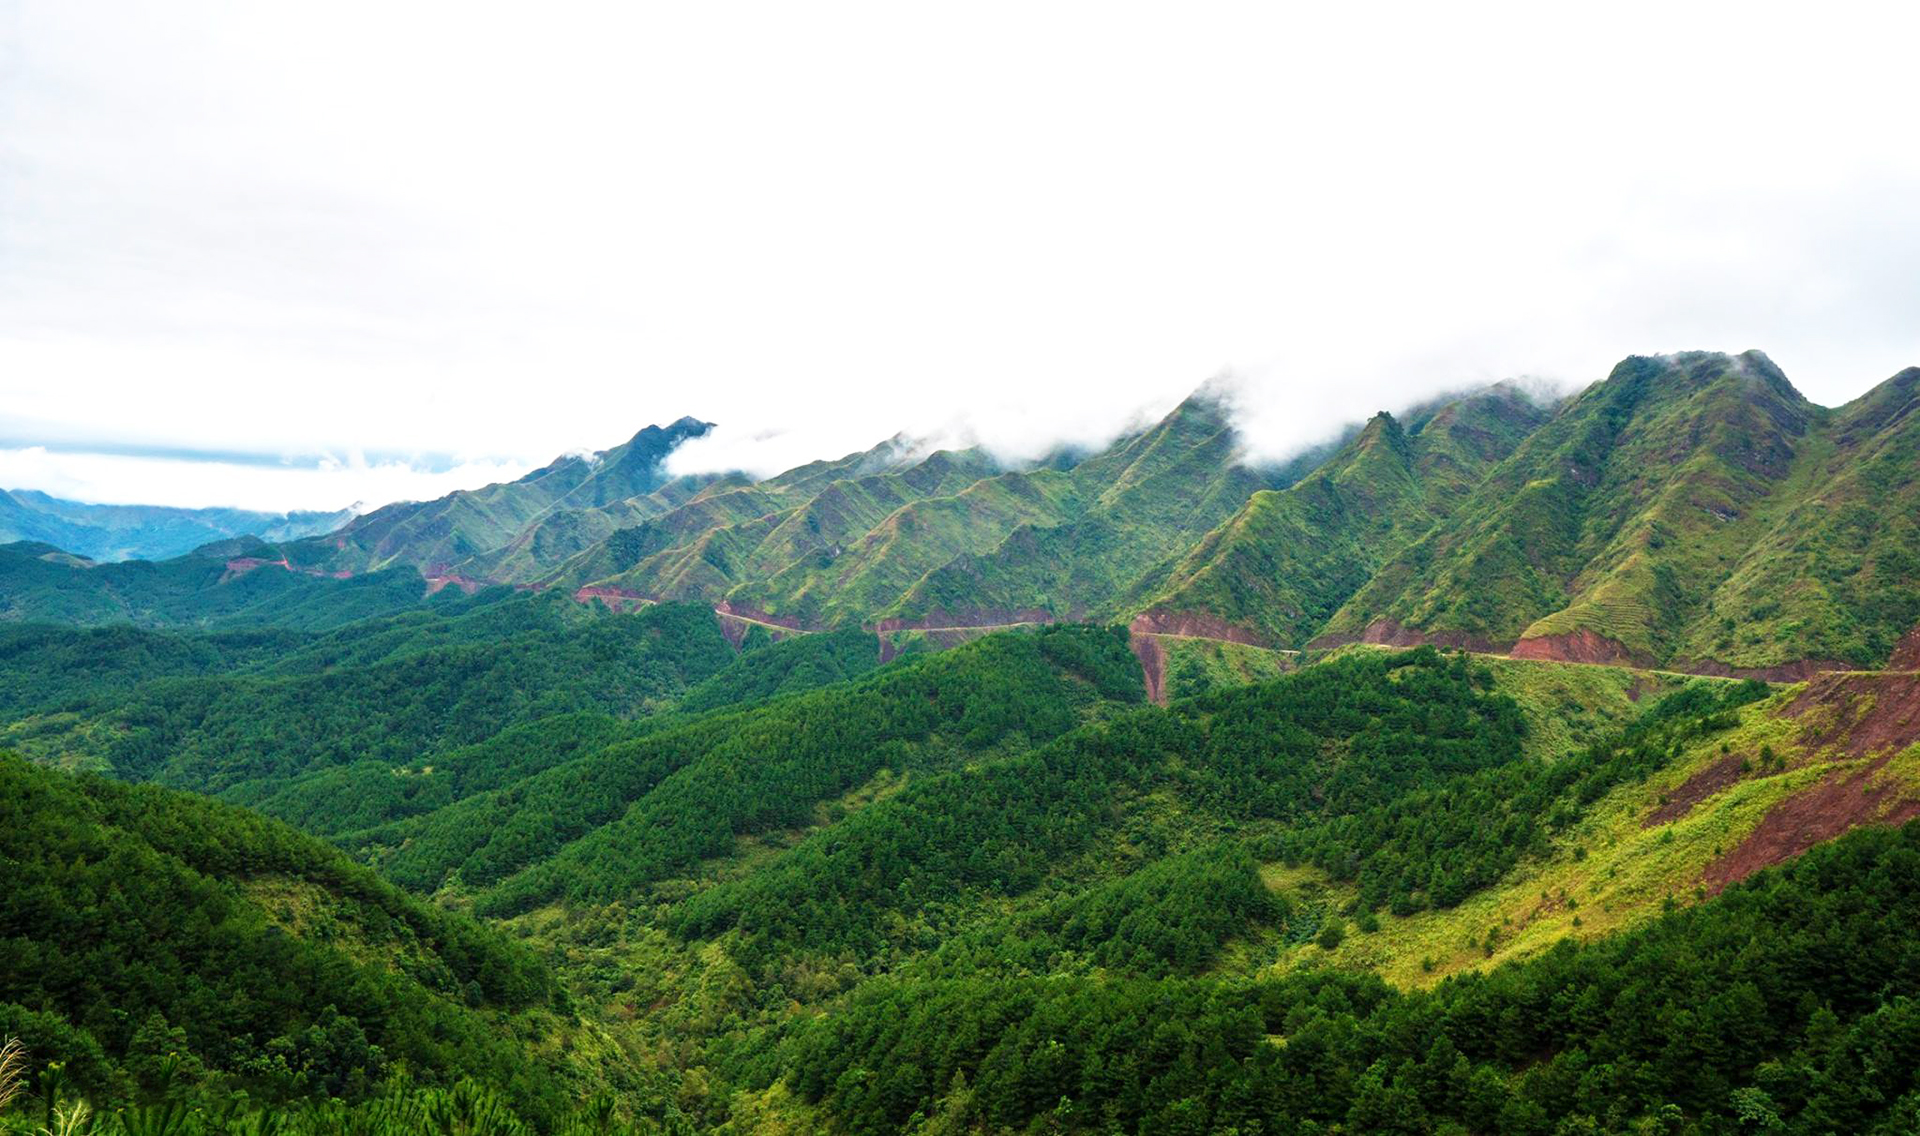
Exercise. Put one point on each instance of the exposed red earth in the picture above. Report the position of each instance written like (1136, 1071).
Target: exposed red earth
(1722, 774)
(1388, 633)
(467, 584)
(1865, 715)
(1582, 646)
(1906, 653)
(1193, 625)
(1865, 712)
(1153, 665)
(1829, 809)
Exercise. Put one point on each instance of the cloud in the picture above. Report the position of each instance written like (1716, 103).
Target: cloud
(265, 228)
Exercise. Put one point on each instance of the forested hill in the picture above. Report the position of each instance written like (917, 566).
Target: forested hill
(247, 715)
(152, 935)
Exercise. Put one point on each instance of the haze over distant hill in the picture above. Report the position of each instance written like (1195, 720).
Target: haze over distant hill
(145, 532)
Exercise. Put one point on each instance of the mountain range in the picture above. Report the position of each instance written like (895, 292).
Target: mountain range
(145, 532)
(1694, 512)
(1501, 766)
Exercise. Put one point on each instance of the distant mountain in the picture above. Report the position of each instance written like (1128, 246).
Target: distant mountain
(944, 538)
(1692, 510)
(238, 583)
(440, 537)
(145, 532)
(1288, 559)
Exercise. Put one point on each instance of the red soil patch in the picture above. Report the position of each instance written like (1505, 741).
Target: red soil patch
(1814, 815)
(1582, 646)
(1906, 653)
(1866, 715)
(1867, 712)
(1153, 665)
(467, 584)
(1193, 625)
(1722, 774)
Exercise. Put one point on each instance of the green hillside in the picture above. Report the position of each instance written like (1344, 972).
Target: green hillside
(1288, 559)
(381, 694)
(154, 937)
(235, 584)
(437, 537)
(1690, 510)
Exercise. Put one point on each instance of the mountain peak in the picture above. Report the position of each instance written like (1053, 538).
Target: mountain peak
(1383, 429)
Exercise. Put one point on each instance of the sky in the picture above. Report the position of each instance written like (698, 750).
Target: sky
(300, 256)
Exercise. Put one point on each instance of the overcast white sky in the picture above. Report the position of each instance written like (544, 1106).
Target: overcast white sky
(300, 255)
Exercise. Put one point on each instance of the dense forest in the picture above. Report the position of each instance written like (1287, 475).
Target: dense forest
(983, 888)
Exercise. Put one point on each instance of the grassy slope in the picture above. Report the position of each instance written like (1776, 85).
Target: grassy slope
(1616, 868)
(1837, 576)
(802, 524)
